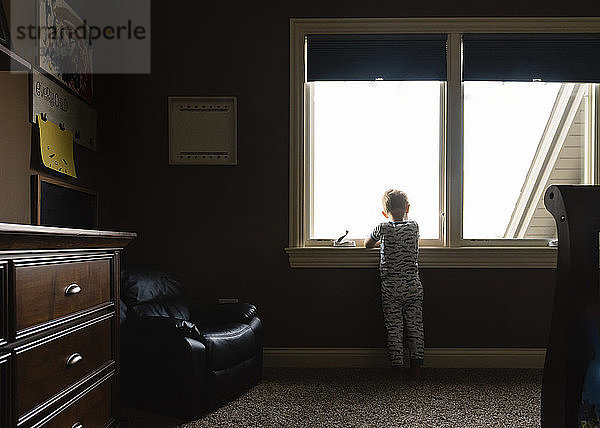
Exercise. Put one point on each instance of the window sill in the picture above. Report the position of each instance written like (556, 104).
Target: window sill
(429, 257)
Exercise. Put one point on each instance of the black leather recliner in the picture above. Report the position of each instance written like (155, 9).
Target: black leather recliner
(183, 360)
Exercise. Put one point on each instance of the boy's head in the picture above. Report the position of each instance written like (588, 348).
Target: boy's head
(395, 204)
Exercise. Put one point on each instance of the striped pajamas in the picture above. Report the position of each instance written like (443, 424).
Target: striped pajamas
(401, 290)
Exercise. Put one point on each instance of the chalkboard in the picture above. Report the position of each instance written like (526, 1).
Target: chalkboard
(59, 204)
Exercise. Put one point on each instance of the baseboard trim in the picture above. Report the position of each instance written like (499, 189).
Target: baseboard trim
(434, 357)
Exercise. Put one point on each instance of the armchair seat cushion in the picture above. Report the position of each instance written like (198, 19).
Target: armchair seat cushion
(228, 345)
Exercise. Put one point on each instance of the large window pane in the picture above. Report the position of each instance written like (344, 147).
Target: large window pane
(368, 137)
(519, 137)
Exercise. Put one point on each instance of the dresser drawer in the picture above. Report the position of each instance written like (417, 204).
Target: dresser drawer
(3, 388)
(44, 292)
(93, 410)
(45, 370)
(3, 302)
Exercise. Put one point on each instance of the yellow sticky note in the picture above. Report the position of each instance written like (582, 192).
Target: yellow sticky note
(56, 147)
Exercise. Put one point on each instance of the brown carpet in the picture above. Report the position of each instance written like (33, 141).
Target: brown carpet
(376, 398)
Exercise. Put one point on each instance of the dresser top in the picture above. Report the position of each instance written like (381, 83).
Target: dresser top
(22, 236)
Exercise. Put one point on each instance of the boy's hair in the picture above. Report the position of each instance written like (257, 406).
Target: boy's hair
(395, 202)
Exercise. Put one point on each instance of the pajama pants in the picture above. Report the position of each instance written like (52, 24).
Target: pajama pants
(403, 316)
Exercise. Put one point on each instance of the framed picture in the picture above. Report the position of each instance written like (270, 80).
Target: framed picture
(64, 53)
(4, 30)
(202, 130)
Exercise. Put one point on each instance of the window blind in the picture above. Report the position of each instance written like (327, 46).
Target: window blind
(376, 56)
(525, 57)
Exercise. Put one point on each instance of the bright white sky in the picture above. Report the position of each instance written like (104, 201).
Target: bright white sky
(371, 136)
(368, 137)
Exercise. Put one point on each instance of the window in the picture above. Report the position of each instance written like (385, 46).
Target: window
(474, 125)
(526, 107)
(375, 109)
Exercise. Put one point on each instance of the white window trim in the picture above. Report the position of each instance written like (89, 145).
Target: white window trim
(456, 252)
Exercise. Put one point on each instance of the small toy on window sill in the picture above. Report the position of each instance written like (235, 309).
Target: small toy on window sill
(341, 242)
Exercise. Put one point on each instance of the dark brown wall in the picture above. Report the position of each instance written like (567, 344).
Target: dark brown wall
(15, 145)
(15, 148)
(224, 229)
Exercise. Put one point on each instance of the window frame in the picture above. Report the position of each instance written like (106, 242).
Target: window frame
(452, 250)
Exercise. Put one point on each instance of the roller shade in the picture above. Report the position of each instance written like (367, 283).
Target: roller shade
(376, 56)
(525, 57)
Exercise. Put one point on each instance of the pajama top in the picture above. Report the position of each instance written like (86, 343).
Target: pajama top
(399, 250)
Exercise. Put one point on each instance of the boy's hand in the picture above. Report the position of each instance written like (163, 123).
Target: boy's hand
(370, 243)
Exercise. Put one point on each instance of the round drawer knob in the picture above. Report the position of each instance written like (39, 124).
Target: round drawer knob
(77, 425)
(73, 359)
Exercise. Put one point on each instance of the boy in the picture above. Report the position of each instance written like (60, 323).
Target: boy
(401, 289)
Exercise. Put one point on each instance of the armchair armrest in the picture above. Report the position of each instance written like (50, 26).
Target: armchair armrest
(224, 313)
(163, 326)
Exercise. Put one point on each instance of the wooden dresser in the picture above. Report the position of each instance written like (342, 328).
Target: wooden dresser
(59, 326)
